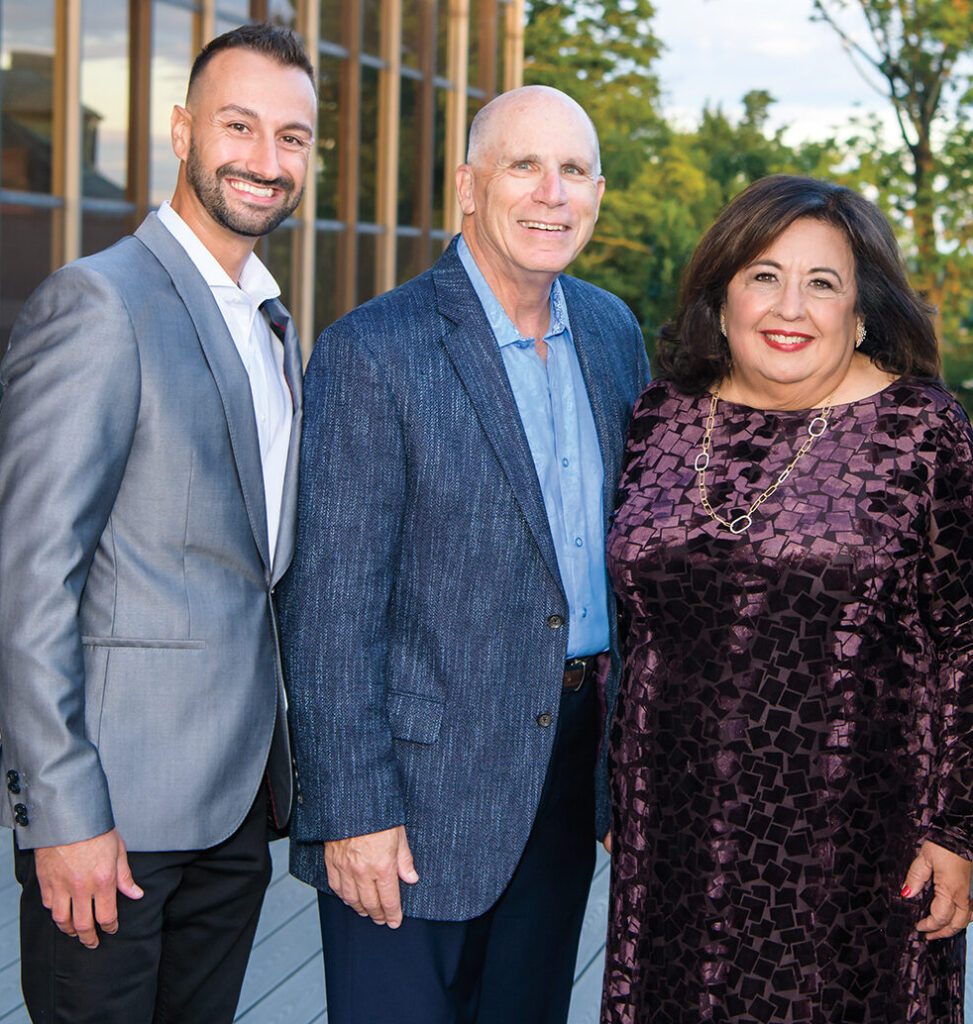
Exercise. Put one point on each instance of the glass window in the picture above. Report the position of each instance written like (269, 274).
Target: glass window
(234, 11)
(410, 258)
(331, 21)
(410, 159)
(25, 259)
(27, 95)
(368, 154)
(172, 57)
(278, 255)
(100, 229)
(371, 35)
(104, 98)
(282, 12)
(476, 42)
(416, 31)
(329, 136)
(325, 277)
(442, 37)
(365, 283)
(439, 158)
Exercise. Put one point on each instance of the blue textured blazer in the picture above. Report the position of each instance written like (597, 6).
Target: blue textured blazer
(423, 620)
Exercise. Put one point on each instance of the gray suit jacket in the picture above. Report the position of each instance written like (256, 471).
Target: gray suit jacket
(423, 619)
(140, 681)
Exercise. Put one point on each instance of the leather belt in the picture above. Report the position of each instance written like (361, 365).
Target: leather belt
(577, 670)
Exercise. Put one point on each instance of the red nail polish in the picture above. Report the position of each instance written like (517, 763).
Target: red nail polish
(906, 891)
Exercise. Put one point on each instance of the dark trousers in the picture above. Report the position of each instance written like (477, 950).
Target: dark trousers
(180, 952)
(515, 963)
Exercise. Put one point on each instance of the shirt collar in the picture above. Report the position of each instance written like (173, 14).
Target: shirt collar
(256, 281)
(502, 326)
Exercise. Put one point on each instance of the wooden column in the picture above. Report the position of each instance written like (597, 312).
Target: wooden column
(304, 251)
(349, 157)
(389, 103)
(457, 57)
(66, 134)
(139, 110)
(513, 46)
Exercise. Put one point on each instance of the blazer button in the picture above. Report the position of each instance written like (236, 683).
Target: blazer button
(555, 621)
(544, 719)
(20, 814)
(13, 781)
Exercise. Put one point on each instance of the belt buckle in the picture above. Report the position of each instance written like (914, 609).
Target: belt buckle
(574, 665)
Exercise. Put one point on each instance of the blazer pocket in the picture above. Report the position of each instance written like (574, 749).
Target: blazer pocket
(124, 641)
(414, 718)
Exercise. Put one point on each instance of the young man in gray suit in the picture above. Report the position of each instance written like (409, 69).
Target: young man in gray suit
(149, 434)
(448, 630)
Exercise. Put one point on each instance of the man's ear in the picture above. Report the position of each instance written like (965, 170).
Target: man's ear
(464, 189)
(180, 127)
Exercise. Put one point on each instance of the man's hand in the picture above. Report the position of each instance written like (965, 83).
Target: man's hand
(949, 912)
(365, 871)
(74, 876)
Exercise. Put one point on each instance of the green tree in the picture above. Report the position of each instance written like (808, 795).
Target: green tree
(918, 53)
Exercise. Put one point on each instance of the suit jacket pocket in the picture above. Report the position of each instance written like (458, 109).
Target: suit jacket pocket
(150, 642)
(414, 718)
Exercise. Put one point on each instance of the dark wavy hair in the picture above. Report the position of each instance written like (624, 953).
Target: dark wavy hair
(279, 44)
(692, 352)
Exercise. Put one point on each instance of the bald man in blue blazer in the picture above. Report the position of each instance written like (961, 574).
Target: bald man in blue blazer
(448, 631)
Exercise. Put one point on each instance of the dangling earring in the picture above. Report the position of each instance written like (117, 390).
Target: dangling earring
(723, 322)
(860, 333)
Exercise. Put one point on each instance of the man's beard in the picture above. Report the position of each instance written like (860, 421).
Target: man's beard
(253, 222)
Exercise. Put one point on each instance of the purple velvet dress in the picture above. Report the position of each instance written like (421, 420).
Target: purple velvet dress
(796, 714)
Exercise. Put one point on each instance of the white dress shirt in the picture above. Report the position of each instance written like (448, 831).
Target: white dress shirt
(259, 348)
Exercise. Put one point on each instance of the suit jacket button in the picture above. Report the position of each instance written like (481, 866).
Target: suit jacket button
(13, 781)
(544, 719)
(555, 621)
(20, 814)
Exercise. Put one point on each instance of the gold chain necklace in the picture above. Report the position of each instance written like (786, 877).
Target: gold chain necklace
(742, 523)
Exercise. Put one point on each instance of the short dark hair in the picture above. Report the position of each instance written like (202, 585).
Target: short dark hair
(692, 351)
(279, 44)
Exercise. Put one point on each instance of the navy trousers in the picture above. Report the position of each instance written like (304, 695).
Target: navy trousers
(515, 963)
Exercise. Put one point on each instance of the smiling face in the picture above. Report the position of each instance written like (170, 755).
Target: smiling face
(530, 194)
(790, 319)
(244, 140)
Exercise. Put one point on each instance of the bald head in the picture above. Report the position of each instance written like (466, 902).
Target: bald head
(530, 100)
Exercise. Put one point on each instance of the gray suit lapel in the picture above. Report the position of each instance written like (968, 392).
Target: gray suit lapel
(591, 345)
(225, 365)
(476, 357)
(283, 327)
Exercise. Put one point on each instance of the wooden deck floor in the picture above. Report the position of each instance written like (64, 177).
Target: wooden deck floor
(285, 979)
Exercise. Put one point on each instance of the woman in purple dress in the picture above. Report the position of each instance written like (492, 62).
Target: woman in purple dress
(792, 748)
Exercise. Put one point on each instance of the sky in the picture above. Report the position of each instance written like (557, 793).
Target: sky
(717, 50)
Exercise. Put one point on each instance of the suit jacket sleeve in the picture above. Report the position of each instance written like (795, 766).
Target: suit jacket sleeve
(70, 381)
(334, 600)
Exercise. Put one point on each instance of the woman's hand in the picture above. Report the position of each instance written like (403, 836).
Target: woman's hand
(950, 911)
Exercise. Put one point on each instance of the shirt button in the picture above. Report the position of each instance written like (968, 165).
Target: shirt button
(584, 613)
(564, 462)
(544, 719)
(555, 621)
(578, 542)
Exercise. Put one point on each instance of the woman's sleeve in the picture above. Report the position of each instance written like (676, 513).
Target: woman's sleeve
(946, 597)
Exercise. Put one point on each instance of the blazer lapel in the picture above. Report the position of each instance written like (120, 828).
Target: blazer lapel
(476, 357)
(224, 363)
(591, 345)
(283, 327)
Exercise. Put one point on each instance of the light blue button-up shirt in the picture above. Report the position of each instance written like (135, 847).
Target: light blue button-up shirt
(553, 404)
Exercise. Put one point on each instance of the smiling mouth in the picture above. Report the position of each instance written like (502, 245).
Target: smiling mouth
(787, 342)
(260, 191)
(538, 225)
